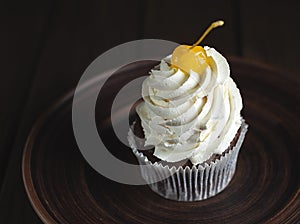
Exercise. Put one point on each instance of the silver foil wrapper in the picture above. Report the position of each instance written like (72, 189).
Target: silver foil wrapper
(189, 184)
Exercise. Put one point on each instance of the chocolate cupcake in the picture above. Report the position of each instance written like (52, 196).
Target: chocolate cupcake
(190, 119)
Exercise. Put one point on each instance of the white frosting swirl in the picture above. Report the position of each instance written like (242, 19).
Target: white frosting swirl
(190, 116)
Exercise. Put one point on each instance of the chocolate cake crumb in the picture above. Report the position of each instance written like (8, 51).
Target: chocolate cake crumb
(149, 153)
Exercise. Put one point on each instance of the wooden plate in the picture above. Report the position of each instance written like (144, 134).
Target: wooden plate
(63, 188)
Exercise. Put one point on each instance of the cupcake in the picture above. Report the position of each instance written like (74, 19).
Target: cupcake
(189, 127)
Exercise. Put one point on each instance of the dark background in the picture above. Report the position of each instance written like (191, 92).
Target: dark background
(46, 45)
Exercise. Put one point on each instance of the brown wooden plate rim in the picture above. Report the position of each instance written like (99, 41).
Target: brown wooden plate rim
(33, 197)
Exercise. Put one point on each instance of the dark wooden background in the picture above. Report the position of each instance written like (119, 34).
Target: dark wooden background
(45, 45)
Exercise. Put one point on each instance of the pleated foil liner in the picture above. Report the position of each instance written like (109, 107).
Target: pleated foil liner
(190, 184)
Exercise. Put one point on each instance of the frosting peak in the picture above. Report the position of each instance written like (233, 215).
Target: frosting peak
(187, 115)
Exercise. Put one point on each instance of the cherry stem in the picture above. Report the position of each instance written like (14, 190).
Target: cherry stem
(212, 26)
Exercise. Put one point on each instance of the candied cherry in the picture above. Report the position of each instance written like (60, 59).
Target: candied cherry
(193, 57)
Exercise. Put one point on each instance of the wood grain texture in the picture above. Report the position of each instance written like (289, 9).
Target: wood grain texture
(21, 40)
(184, 22)
(75, 34)
(78, 33)
(64, 189)
(46, 45)
(270, 32)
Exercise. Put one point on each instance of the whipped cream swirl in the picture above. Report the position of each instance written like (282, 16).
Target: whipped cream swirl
(190, 116)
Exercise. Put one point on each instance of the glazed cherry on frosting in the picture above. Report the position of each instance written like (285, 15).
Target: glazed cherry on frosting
(193, 57)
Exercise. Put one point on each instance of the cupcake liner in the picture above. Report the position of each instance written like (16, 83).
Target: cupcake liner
(189, 184)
